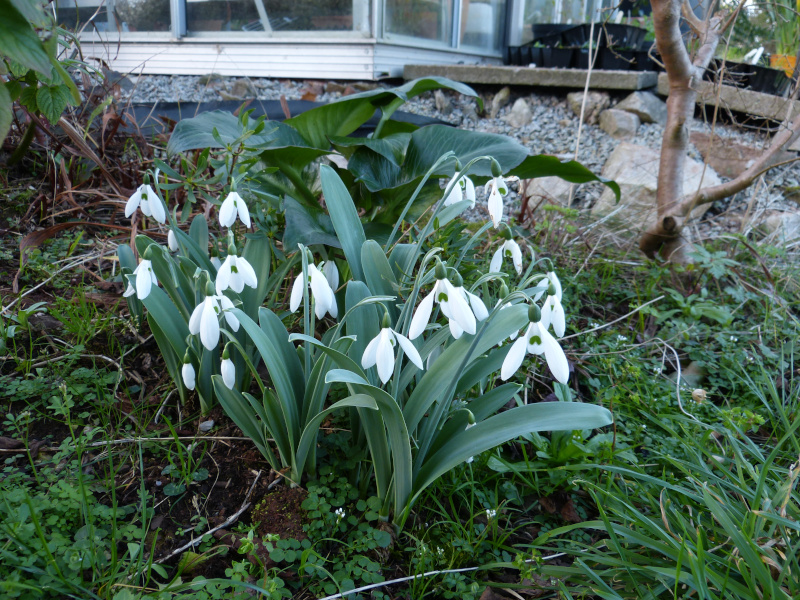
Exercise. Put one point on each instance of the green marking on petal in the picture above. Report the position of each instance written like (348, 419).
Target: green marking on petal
(442, 297)
(535, 340)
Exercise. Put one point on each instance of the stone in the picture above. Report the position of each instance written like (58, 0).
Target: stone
(500, 99)
(226, 96)
(596, 102)
(243, 88)
(443, 105)
(209, 79)
(727, 157)
(553, 190)
(333, 87)
(645, 105)
(619, 123)
(781, 226)
(635, 169)
(520, 114)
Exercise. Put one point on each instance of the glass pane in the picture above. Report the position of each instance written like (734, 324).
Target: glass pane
(74, 14)
(426, 19)
(482, 23)
(114, 15)
(270, 15)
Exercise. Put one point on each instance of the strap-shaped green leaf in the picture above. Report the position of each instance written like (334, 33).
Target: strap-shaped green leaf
(378, 274)
(345, 218)
(171, 359)
(198, 231)
(258, 253)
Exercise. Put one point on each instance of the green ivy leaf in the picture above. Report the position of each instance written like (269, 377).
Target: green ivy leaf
(19, 42)
(28, 98)
(52, 100)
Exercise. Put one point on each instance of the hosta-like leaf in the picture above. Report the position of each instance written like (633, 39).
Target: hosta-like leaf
(543, 165)
(306, 225)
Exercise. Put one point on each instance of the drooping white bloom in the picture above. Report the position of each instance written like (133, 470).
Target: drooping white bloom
(148, 201)
(235, 273)
(232, 207)
(331, 274)
(476, 305)
(380, 352)
(511, 249)
(145, 278)
(188, 375)
(216, 262)
(537, 340)
(453, 303)
(551, 278)
(324, 299)
(497, 189)
(172, 241)
(205, 319)
(553, 314)
(228, 371)
(463, 190)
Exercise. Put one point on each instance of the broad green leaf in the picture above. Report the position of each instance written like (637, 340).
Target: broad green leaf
(543, 165)
(334, 119)
(306, 225)
(344, 217)
(392, 148)
(5, 112)
(19, 42)
(52, 100)
(196, 132)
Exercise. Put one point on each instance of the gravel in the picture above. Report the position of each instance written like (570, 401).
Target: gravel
(552, 130)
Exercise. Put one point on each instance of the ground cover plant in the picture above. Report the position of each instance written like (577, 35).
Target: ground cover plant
(291, 380)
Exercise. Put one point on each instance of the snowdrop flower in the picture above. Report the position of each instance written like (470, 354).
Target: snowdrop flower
(148, 201)
(553, 313)
(227, 369)
(553, 280)
(232, 207)
(324, 300)
(464, 189)
(145, 278)
(510, 249)
(537, 340)
(172, 241)
(235, 273)
(497, 189)
(476, 305)
(187, 372)
(453, 303)
(331, 274)
(380, 351)
(216, 262)
(205, 319)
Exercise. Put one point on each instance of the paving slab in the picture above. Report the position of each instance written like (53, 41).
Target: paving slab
(536, 76)
(738, 100)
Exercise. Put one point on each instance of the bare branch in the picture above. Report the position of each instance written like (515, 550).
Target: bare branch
(688, 13)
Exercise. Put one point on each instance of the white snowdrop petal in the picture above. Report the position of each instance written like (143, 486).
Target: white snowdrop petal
(516, 255)
(409, 349)
(556, 283)
(469, 191)
(513, 360)
(194, 320)
(172, 241)
(227, 212)
(556, 359)
(228, 371)
(455, 329)
(209, 325)
(244, 212)
(224, 276)
(460, 310)
(497, 261)
(226, 305)
(501, 186)
(133, 202)
(455, 195)
(331, 274)
(478, 307)
(296, 296)
(144, 280)
(384, 356)
(369, 357)
(558, 318)
(157, 207)
(495, 205)
(246, 272)
(129, 291)
(188, 375)
(421, 316)
(535, 330)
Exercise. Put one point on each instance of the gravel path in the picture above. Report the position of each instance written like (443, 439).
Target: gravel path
(552, 130)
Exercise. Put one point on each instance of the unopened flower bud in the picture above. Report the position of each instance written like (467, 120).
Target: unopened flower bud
(440, 272)
(551, 290)
(504, 290)
(457, 280)
(386, 322)
(534, 314)
(210, 291)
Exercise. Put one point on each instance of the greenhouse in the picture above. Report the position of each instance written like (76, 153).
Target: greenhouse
(333, 39)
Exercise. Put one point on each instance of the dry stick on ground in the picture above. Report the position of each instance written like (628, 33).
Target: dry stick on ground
(673, 207)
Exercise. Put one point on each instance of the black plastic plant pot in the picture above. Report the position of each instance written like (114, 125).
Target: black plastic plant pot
(557, 58)
(643, 62)
(729, 73)
(769, 81)
(534, 56)
(582, 57)
(576, 36)
(615, 60)
(622, 36)
(549, 34)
